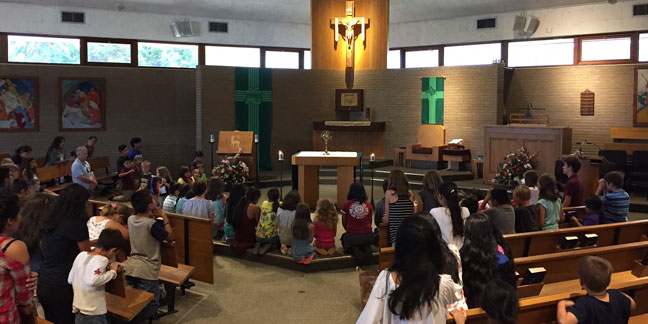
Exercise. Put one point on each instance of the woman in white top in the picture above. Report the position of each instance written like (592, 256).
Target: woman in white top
(113, 216)
(450, 216)
(414, 290)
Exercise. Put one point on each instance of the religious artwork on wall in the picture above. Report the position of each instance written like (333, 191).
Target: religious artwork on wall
(253, 108)
(432, 92)
(349, 99)
(641, 94)
(18, 104)
(349, 24)
(82, 104)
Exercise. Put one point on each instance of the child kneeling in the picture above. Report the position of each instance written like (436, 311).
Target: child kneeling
(601, 305)
(90, 272)
(302, 232)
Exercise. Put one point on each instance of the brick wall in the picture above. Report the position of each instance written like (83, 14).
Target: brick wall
(157, 105)
(558, 91)
(394, 96)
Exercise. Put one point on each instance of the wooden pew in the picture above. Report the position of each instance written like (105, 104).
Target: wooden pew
(99, 163)
(172, 274)
(383, 235)
(125, 302)
(40, 320)
(192, 239)
(543, 309)
(4, 156)
(543, 242)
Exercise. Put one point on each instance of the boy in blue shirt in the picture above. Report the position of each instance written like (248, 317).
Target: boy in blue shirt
(616, 202)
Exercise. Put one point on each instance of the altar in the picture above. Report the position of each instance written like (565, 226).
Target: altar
(308, 163)
(356, 136)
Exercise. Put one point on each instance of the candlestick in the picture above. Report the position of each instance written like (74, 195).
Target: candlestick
(372, 158)
(281, 156)
(211, 138)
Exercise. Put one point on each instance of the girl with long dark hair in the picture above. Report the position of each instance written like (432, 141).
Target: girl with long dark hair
(302, 231)
(414, 288)
(485, 256)
(65, 234)
(56, 151)
(244, 220)
(549, 206)
(450, 216)
(428, 197)
(236, 193)
(356, 220)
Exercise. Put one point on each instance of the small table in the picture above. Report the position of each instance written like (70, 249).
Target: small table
(399, 157)
(476, 163)
(457, 156)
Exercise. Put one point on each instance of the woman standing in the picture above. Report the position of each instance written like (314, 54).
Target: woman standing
(65, 234)
(15, 296)
(56, 151)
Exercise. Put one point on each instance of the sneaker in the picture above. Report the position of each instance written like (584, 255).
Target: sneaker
(256, 248)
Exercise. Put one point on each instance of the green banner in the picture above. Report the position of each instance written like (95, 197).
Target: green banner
(432, 100)
(253, 108)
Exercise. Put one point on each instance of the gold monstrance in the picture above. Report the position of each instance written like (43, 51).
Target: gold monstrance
(326, 136)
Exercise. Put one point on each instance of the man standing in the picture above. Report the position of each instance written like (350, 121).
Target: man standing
(81, 171)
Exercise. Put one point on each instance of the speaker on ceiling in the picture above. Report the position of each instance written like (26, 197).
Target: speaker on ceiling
(520, 22)
(525, 27)
(182, 28)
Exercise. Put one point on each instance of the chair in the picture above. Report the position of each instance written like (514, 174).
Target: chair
(616, 161)
(638, 176)
(430, 145)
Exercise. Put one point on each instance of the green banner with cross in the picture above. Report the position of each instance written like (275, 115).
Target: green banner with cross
(432, 100)
(253, 108)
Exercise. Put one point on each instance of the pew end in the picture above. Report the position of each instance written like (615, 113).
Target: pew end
(383, 235)
(640, 270)
(532, 290)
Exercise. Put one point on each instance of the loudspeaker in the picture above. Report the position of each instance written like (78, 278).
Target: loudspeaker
(182, 28)
(525, 27)
(519, 24)
(533, 25)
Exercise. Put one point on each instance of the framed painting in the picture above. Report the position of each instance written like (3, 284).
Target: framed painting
(18, 104)
(640, 94)
(82, 104)
(349, 100)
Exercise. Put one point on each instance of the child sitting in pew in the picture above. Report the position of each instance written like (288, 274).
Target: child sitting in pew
(593, 207)
(113, 216)
(170, 201)
(91, 271)
(600, 305)
(499, 301)
(550, 211)
(526, 214)
(302, 235)
(615, 201)
(148, 228)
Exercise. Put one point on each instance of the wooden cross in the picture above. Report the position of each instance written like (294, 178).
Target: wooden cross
(349, 24)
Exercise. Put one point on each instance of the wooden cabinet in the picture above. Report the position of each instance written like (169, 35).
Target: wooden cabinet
(549, 142)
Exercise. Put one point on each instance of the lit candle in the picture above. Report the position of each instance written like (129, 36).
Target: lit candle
(211, 138)
(281, 156)
(372, 158)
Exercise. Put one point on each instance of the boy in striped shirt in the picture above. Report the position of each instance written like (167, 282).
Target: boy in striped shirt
(616, 202)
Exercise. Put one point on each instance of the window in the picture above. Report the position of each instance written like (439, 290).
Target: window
(605, 49)
(282, 60)
(109, 53)
(167, 55)
(307, 60)
(417, 59)
(31, 49)
(540, 53)
(643, 47)
(233, 56)
(393, 59)
(472, 54)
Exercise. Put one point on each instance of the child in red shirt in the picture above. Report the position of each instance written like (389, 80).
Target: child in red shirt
(326, 219)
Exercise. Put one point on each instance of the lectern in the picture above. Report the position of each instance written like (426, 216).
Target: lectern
(308, 163)
(231, 142)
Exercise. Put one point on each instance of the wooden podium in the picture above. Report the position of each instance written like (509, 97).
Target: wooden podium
(308, 163)
(231, 142)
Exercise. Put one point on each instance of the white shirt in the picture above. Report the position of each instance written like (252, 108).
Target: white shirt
(88, 278)
(95, 228)
(535, 195)
(442, 216)
(377, 308)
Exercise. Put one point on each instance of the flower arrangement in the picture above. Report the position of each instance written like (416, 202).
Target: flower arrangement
(511, 171)
(232, 170)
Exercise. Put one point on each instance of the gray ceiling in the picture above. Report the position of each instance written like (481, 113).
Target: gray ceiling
(298, 11)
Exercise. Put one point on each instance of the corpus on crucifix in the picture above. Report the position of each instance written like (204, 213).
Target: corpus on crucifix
(349, 23)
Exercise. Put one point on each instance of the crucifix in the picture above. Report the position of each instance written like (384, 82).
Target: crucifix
(349, 24)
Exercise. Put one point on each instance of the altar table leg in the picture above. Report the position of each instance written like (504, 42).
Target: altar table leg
(308, 184)
(344, 181)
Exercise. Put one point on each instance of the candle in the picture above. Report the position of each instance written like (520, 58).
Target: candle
(372, 158)
(211, 138)
(281, 156)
